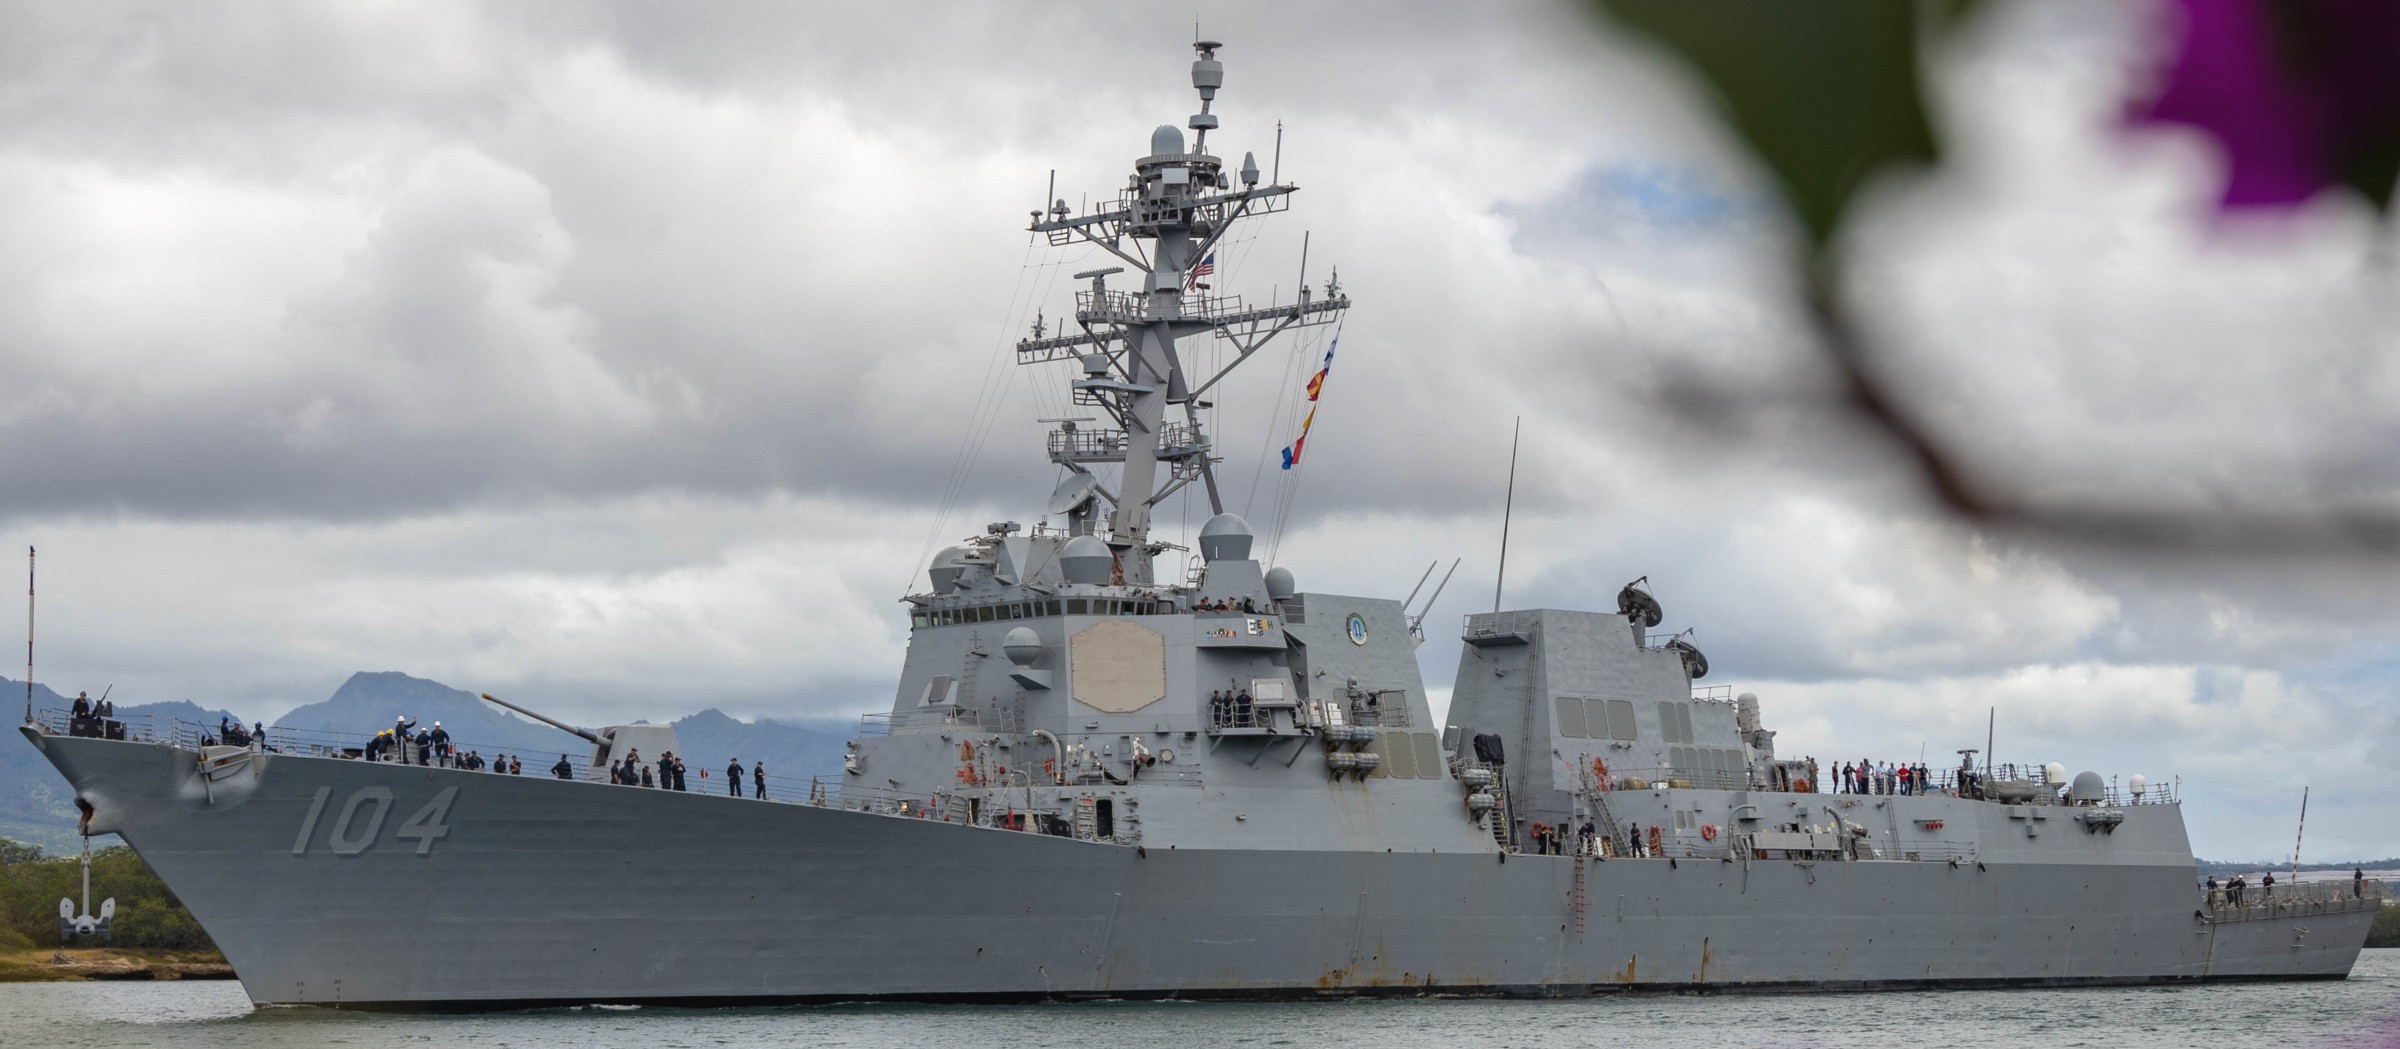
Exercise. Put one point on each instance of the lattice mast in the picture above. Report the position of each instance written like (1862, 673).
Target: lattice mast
(1182, 203)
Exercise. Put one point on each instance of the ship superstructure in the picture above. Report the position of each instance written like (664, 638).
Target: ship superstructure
(1098, 778)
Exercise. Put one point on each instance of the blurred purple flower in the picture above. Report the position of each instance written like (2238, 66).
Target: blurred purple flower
(2303, 94)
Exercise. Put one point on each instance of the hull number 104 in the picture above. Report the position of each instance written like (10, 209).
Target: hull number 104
(358, 824)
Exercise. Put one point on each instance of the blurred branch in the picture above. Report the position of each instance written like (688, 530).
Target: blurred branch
(1827, 94)
(1955, 482)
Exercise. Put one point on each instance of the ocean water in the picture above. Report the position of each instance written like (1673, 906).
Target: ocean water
(2362, 1012)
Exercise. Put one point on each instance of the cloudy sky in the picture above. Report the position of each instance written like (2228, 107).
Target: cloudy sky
(629, 359)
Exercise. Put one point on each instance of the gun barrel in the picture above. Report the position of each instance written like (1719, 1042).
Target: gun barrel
(559, 725)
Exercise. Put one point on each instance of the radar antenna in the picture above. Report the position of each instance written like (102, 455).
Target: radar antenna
(1182, 201)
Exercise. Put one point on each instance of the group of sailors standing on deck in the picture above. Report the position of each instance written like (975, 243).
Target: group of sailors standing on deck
(1225, 605)
(1230, 709)
(1883, 777)
(2235, 891)
(1586, 840)
(632, 771)
(2237, 888)
(1552, 841)
(404, 739)
(230, 733)
(431, 747)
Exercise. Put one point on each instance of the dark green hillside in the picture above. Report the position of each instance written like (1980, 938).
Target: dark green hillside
(148, 916)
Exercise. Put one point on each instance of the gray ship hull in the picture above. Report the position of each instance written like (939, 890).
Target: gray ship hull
(332, 882)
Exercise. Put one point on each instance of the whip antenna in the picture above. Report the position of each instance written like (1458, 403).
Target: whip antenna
(2298, 834)
(1507, 508)
(29, 635)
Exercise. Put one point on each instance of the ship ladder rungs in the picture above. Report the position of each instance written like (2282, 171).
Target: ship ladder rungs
(1576, 894)
(1503, 828)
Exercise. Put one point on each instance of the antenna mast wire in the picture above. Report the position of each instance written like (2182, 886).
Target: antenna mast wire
(1507, 509)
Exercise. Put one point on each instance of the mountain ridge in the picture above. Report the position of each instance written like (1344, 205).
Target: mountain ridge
(37, 806)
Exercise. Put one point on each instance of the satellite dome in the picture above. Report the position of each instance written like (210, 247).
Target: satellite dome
(2088, 789)
(2139, 784)
(1280, 586)
(1167, 139)
(1022, 645)
(2054, 774)
(1226, 537)
(1086, 560)
(947, 567)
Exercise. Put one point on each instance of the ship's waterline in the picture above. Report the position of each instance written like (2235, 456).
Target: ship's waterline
(2358, 1013)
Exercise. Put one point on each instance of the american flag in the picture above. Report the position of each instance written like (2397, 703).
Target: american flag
(1206, 268)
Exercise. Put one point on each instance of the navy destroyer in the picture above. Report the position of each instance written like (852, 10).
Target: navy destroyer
(1115, 768)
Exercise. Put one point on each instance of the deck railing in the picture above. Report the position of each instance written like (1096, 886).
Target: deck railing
(941, 718)
(1945, 781)
(1498, 624)
(2295, 898)
(347, 746)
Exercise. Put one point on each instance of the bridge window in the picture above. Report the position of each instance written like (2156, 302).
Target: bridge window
(1620, 719)
(1570, 717)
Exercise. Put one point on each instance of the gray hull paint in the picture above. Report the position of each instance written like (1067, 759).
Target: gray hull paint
(540, 891)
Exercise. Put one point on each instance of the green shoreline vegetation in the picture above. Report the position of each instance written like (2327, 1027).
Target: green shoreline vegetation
(152, 937)
(2386, 930)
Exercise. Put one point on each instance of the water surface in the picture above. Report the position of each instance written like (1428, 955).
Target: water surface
(2362, 1012)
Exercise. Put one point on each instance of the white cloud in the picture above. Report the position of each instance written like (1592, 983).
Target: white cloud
(617, 609)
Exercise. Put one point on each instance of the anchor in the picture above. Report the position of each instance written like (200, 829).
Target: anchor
(72, 925)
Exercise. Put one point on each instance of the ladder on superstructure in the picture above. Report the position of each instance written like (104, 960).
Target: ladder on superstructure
(1503, 829)
(1576, 895)
(1608, 820)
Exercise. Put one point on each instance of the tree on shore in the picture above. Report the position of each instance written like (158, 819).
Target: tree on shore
(148, 915)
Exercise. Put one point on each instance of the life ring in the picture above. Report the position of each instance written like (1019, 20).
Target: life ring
(1708, 831)
(1800, 786)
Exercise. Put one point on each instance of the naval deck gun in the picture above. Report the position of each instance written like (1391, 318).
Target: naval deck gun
(612, 743)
